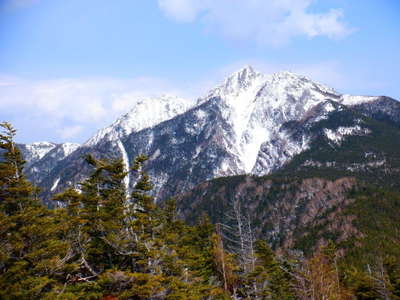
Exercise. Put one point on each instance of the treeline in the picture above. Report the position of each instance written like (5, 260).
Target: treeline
(103, 243)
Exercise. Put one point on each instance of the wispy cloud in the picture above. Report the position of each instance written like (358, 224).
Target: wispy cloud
(266, 22)
(67, 133)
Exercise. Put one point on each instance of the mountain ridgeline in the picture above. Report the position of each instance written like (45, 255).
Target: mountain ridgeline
(250, 124)
(276, 158)
(305, 138)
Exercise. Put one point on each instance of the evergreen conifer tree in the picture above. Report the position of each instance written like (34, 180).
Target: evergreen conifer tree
(31, 254)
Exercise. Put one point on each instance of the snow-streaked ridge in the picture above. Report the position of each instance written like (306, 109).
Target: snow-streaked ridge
(245, 125)
(354, 100)
(145, 113)
(38, 150)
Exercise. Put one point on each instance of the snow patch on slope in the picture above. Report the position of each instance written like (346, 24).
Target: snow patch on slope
(68, 148)
(55, 184)
(354, 100)
(125, 159)
(337, 136)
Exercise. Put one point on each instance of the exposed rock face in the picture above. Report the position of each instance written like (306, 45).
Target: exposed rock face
(281, 210)
(250, 124)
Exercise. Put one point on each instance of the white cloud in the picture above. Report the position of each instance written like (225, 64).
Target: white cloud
(70, 132)
(265, 21)
(182, 10)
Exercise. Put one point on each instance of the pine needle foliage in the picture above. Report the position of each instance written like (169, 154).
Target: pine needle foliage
(102, 242)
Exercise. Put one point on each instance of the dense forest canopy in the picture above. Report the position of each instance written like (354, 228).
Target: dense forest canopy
(102, 243)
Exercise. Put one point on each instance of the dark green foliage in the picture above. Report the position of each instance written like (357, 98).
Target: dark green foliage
(127, 246)
(270, 278)
(16, 192)
(376, 214)
(102, 243)
(379, 280)
(33, 255)
(359, 152)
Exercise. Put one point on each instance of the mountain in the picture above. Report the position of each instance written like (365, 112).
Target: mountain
(250, 124)
(39, 169)
(144, 114)
(35, 151)
(344, 187)
(107, 142)
(304, 212)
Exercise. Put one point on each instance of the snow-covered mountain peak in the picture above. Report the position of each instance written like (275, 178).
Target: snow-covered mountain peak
(244, 75)
(247, 84)
(241, 79)
(42, 144)
(285, 74)
(39, 149)
(290, 80)
(250, 123)
(244, 81)
(256, 105)
(145, 113)
(289, 74)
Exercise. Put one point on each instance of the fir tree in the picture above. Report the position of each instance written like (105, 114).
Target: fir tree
(32, 256)
(270, 278)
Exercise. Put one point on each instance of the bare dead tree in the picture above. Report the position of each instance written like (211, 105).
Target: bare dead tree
(381, 281)
(237, 232)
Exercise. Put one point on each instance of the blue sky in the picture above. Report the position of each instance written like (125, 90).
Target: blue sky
(69, 67)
